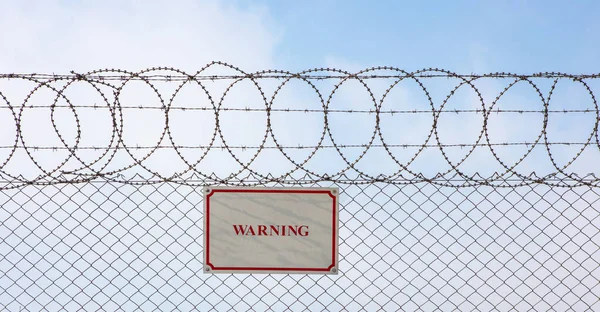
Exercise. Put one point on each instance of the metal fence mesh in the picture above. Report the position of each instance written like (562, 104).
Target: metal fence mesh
(464, 215)
(419, 246)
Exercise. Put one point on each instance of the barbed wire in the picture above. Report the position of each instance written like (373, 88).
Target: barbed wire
(329, 111)
(108, 75)
(295, 147)
(108, 85)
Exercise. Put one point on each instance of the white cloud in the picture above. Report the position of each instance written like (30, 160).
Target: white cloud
(58, 36)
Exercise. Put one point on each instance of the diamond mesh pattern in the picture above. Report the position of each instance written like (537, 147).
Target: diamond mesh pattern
(103, 245)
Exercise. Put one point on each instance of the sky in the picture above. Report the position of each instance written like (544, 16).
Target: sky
(59, 36)
(462, 36)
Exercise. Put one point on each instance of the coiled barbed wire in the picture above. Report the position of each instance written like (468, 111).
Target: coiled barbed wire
(115, 80)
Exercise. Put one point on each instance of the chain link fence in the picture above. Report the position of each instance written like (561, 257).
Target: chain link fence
(419, 246)
(97, 224)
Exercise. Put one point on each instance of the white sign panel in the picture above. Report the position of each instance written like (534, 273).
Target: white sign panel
(270, 230)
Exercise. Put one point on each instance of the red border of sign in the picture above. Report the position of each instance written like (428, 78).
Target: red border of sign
(293, 191)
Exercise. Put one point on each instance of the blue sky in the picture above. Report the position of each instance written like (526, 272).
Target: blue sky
(517, 36)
